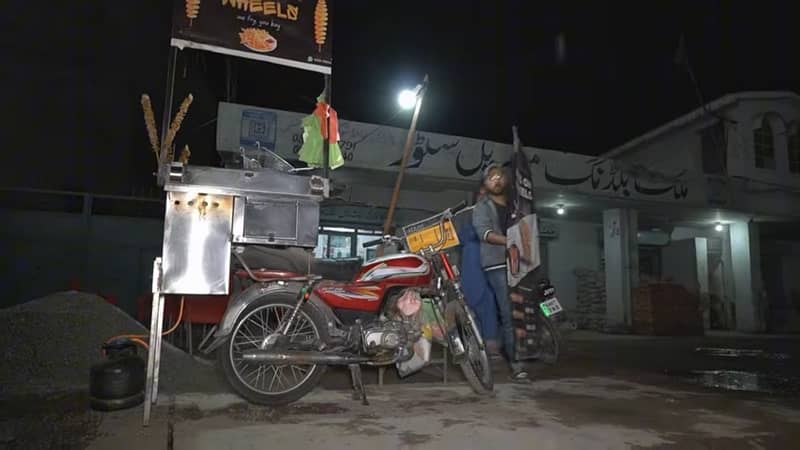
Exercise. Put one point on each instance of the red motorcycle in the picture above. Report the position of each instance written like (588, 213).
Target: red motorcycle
(279, 334)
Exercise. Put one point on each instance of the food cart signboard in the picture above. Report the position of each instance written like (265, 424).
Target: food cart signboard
(295, 33)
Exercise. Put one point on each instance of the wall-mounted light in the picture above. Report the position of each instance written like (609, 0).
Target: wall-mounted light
(560, 210)
(718, 227)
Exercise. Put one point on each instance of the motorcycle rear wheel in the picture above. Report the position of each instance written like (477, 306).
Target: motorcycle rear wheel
(247, 335)
(476, 366)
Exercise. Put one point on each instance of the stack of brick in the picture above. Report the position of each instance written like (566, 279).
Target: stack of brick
(666, 309)
(590, 311)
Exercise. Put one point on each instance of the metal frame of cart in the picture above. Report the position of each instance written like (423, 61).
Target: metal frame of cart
(210, 209)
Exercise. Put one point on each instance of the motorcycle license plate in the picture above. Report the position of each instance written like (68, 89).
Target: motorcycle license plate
(550, 307)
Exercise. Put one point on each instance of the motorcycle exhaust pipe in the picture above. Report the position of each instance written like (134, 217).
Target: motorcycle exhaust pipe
(298, 357)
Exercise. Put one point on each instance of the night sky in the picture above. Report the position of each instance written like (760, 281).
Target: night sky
(72, 75)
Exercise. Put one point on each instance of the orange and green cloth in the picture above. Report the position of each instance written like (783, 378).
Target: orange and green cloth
(315, 131)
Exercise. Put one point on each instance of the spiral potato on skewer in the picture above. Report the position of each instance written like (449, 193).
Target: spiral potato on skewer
(176, 125)
(192, 9)
(320, 23)
(150, 123)
(185, 154)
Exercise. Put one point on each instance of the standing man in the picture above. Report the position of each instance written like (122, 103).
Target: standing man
(490, 219)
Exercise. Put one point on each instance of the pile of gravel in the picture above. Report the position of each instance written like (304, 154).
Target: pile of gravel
(49, 345)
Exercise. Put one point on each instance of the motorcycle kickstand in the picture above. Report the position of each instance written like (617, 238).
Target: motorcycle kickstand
(358, 384)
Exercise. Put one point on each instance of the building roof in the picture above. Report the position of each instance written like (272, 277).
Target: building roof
(697, 114)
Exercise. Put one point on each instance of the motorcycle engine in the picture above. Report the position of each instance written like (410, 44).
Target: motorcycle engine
(383, 335)
(399, 328)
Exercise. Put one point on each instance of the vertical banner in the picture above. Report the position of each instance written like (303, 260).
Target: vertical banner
(523, 254)
(294, 33)
(522, 236)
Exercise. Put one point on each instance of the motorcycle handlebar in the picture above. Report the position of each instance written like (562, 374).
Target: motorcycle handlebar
(371, 243)
(456, 209)
(385, 239)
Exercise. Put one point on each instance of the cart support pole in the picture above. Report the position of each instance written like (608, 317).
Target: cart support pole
(326, 145)
(163, 164)
(154, 345)
(406, 153)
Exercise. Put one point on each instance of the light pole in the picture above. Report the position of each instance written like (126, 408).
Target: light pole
(406, 99)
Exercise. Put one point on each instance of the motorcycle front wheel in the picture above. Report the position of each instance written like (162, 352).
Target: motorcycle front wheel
(271, 384)
(548, 340)
(475, 366)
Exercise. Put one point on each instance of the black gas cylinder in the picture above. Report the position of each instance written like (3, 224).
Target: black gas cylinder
(118, 381)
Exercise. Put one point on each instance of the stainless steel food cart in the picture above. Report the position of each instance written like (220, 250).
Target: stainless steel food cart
(209, 210)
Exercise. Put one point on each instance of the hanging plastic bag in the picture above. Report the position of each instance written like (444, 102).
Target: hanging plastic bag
(421, 358)
(431, 327)
(422, 310)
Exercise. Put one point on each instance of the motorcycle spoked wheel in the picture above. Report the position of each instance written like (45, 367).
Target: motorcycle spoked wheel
(476, 366)
(271, 384)
(549, 340)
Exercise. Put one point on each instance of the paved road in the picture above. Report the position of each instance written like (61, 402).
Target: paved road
(608, 392)
(576, 413)
(579, 413)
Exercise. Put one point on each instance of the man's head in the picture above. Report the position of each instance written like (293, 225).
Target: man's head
(494, 179)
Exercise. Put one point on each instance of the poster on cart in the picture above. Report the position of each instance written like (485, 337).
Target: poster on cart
(522, 244)
(294, 33)
(522, 241)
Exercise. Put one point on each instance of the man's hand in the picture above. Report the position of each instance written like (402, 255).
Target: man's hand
(495, 238)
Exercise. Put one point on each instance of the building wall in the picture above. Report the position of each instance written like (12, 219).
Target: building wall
(741, 153)
(681, 148)
(761, 191)
(577, 245)
(781, 265)
(446, 161)
(408, 198)
(671, 153)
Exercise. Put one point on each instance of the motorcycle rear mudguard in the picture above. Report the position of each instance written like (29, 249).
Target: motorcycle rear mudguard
(257, 291)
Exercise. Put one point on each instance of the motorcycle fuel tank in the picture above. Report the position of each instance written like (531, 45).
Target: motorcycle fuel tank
(402, 265)
(376, 277)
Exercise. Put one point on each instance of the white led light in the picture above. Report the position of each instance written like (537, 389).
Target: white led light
(407, 99)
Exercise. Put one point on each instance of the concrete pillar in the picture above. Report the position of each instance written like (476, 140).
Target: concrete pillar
(621, 250)
(728, 291)
(701, 249)
(746, 268)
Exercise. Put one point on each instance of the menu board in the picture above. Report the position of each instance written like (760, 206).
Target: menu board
(295, 33)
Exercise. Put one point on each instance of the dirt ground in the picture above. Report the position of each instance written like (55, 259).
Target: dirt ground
(723, 391)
